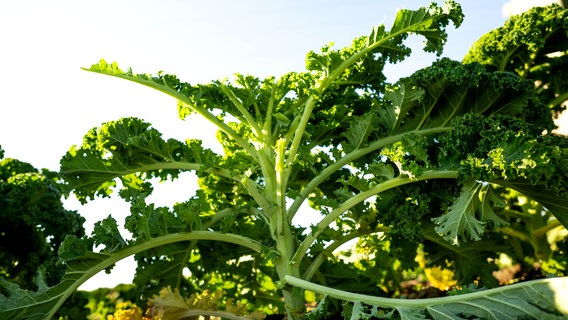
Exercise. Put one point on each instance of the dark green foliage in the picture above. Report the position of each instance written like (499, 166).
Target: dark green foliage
(531, 45)
(34, 223)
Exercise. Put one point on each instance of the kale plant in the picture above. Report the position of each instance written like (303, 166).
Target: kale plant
(455, 164)
(34, 222)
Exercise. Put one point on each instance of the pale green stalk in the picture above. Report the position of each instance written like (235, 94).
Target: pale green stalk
(280, 185)
(250, 185)
(260, 199)
(266, 152)
(558, 100)
(247, 116)
(543, 230)
(298, 132)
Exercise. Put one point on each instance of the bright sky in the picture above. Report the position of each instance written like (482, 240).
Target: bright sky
(48, 103)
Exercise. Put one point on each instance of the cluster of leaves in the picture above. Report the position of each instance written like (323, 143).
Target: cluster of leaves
(456, 161)
(532, 46)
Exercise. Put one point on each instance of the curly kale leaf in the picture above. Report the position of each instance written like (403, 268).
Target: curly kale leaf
(133, 151)
(107, 234)
(534, 166)
(532, 45)
(502, 150)
(354, 78)
(429, 22)
(432, 29)
(468, 215)
(427, 103)
(453, 89)
(404, 210)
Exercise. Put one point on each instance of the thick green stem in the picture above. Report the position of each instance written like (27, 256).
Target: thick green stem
(239, 105)
(293, 297)
(284, 239)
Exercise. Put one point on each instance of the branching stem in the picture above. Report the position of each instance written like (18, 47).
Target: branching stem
(352, 156)
(358, 198)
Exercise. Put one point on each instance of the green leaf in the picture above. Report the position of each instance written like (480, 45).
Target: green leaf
(428, 22)
(436, 95)
(146, 221)
(206, 100)
(531, 45)
(411, 314)
(367, 55)
(470, 261)
(462, 222)
(320, 311)
(510, 156)
(126, 148)
(557, 204)
(106, 233)
(539, 299)
(531, 300)
(360, 130)
(402, 100)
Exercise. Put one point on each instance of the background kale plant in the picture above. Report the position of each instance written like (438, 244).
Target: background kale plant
(34, 222)
(453, 166)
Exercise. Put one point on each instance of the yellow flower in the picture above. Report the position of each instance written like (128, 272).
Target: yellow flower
(134, 313)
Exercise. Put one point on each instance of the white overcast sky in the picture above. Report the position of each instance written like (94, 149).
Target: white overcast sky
(47, 103)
